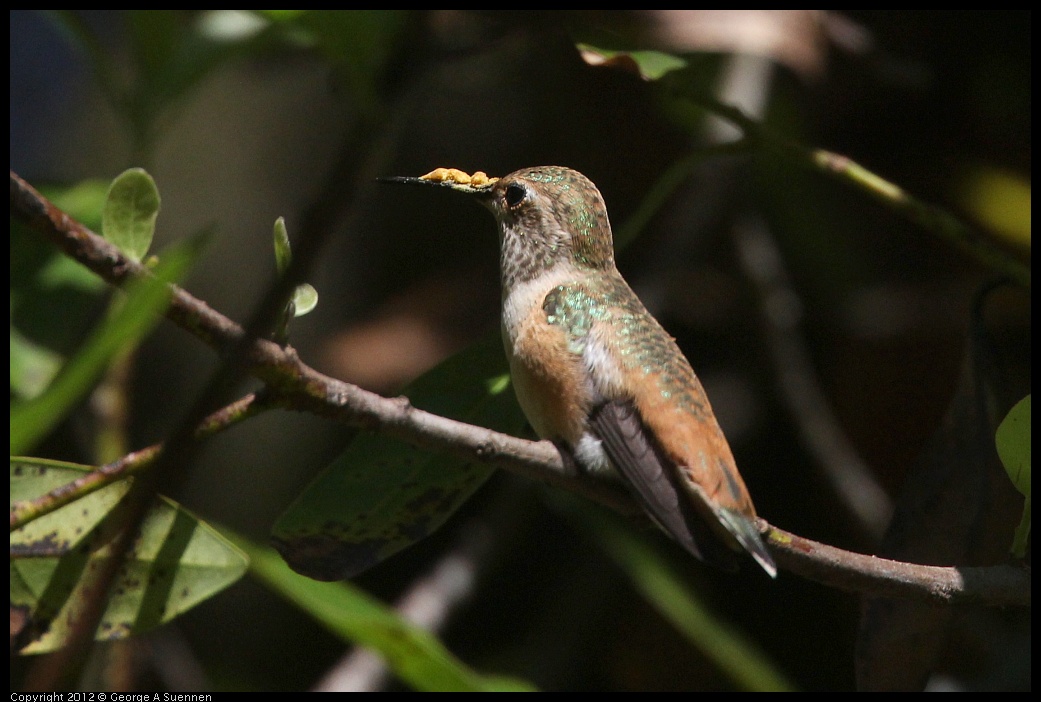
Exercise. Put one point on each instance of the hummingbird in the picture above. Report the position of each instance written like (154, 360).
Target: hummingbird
(596, 374)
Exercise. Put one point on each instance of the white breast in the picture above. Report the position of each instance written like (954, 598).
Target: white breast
(517, 302)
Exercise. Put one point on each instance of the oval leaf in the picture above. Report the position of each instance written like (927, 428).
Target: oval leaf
(131, 208)
(305, 299)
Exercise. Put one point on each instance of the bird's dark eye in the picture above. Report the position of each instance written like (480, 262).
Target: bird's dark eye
(515, 194)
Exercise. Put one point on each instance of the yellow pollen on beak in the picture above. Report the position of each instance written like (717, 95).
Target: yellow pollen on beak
(479, 179)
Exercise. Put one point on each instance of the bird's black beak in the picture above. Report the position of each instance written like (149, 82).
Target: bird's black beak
(477, 184)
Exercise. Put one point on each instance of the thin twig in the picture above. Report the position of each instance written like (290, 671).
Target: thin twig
(930, 217)
(25, 511)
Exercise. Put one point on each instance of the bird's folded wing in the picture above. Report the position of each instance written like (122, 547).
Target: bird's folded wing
(654, 482)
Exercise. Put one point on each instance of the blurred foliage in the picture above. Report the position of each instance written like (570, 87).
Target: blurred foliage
(415, 655)
(1013, 442)
(1000, 200)
(132, 319)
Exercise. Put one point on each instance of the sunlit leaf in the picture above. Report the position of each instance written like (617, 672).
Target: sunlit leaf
(131, 208)
(283, 252)
(176, 563)
(649, 65)
(305, 299)
(382, 495)
(415, 655)
(232, 25)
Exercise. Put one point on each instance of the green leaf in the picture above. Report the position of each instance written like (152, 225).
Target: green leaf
(1013, 443)
(305, 299)
(649, 65)
(415, 655)
(53, 298)
(232, 25)
(382, 495)
(283, 252)
(155, 36)
(146, 299)
(1001, 201)
(358, 44)
(33, 367)
(176, 562)
(32, 257)
(666, 591)
(281, 15)
(283, 257)
(54, 301)
(83, 201)
(131, 208)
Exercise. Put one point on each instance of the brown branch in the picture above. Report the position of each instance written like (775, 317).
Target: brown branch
(299, 386)
(1004, 585)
